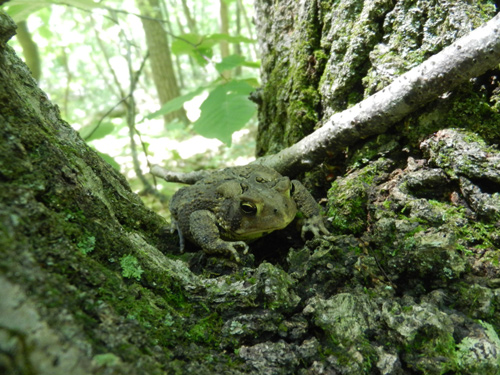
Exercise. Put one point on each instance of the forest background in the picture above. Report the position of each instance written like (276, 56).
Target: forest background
(184, 105)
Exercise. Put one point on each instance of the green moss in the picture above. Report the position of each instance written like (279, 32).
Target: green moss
(474, 112)
(206, 330)
(348, 212)
(360, 360)
(465, 109)
(131, 267)
(430, 345)
(348, 199)
(106, 360)
(381, 145)
(289, 119)
(86, 245)
(68, 224)
(471, 235)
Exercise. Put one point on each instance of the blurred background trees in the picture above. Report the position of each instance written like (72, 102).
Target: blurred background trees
(147, 81)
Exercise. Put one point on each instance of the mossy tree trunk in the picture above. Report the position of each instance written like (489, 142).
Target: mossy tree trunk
(321, 57)
(67, 219)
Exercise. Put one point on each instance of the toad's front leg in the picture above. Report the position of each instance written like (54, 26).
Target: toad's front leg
(205, 233)
(307, 205)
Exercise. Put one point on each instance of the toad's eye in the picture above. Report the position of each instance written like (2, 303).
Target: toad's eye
(248, 208)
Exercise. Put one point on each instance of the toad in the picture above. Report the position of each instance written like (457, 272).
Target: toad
(229, 208)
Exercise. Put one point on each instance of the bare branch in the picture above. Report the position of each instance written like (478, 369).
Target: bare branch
(468, 57)
(183, 178)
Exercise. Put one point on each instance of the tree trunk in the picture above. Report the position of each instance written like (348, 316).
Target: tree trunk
(191, 23)
(66, 220)
(224, 28)
(408, 283)
(320, 59)
(160, 57)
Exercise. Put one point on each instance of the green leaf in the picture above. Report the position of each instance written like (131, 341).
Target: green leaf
(202, 55)
(86, 245)
(197, 46)
(19, 10)
(226, 110)
(229, 62)
(200, 46)
(187, 43)
(131, 267)
(83, 4)
(175, 104)
(233, 61)
(254, 82)
(45, 32)
(252, 64)
(90, 132)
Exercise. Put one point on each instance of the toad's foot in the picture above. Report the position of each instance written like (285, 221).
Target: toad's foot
(228, 248)
(315, 225)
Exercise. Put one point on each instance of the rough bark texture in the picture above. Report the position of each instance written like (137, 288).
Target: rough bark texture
(408, 283)
(321, 57)
(66, 220)
(465, 59)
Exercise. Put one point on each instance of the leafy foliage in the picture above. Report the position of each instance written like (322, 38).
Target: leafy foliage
(97, 132)
(226, 110)
(91, 53)
(19, 10)
(234, 61)
(175, 104)
(200, 47)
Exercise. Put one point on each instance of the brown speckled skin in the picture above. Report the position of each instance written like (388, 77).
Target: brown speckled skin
(228, 208)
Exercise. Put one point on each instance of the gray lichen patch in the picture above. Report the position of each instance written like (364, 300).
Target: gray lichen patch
(472, 165)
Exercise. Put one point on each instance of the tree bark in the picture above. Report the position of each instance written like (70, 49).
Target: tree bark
(191, 23)
(224, 28)
(160, 57)
(66, 219)
(467, 58)
(320, 59)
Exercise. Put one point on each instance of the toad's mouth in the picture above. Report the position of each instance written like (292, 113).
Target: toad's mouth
(248, 233)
